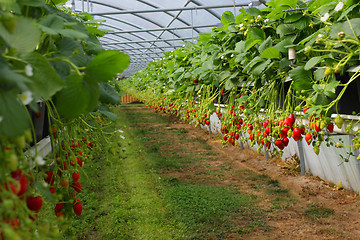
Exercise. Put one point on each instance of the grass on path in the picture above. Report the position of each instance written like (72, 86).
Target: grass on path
(131, 195)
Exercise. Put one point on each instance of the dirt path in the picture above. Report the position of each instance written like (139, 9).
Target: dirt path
(289, 204)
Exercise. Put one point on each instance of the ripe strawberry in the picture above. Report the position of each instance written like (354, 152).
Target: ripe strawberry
(75, 176)
(237, 136)
(252, 137)
(14, 186)
(50, 177)
(207, 122)
(279, 144)
(225, 137)
(317, 126)
(76, 186)
(290, 120)
(308, 138)
(296, 134)
(21, 177)
(79, 161)
(58, 207)
(34, 203)
(330, 127)
(302, 129)
(285, 130)
(266, 123)
(52, 190)
(285, 140)
(267, 130)
(195, 81)
(78, 208)
(268, 144)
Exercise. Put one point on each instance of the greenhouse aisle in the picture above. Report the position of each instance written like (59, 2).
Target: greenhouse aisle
(168, 180)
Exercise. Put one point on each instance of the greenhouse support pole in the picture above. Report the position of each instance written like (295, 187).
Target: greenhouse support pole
(241, 143)
(357, 152)
(302, 160)
(73, 5)
(266, 153)
(82, 6)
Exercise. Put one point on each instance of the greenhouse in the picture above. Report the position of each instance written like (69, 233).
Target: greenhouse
(187, 119)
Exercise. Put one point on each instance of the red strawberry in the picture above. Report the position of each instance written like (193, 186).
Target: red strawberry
(279, 144)
(34, 203)
(50, 177)
(266, 123)
(76, 186)
(308, 138)
(21, 177)
(78, 208)
(251, 137)
(302, 129)
(52, 190)
(195, 81)
(284, 130)
(79, 161)
(267, 130)
(58, 207)
(296, 135)
(15, 187)
(290, 120)
(317, 126)
(285, 140)
(75, 176)
(268, 144)
(237, 136)
(330, 127)
(207, 122)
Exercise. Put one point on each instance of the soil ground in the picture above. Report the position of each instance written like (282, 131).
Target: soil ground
(231, 166)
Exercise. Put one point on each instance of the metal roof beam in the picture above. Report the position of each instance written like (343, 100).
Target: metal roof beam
(148, 41)
(168, 9)
(124, 49)
(160, 29)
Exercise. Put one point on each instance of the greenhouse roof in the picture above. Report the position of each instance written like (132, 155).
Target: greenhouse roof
(144, 29)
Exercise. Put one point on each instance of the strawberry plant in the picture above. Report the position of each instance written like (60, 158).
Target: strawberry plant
(53, 55)
(245, 65)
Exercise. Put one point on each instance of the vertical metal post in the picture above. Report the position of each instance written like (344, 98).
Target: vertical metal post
(88, 6)
(357, 152)
(82, 6)
(73, 5)
(241, 143)
(302, 159)
(266, 153)
(192, 26)
(234, 9)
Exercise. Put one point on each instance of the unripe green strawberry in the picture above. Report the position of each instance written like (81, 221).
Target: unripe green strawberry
(28, 136)
(316, 150)
(20, 142)
(12, 162)
(328, 71)
(9, 21)
(339, 121)
(356, 146)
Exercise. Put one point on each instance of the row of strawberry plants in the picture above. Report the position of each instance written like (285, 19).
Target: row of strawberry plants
(249, 65)
(53, 55)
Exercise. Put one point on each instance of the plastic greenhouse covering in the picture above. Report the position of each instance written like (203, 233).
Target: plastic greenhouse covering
(145, 29)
